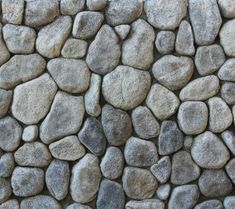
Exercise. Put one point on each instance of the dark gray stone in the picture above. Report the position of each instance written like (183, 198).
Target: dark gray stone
(7, 164)
(5, 190)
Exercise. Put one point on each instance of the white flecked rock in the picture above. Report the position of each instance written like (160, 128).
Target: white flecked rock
(7, 164)
(165, 42)
(135, 54)
(96, 4)
(210, 204)
(51, 37)
(228, 92)
(227, 8)
(39, 94)
(145, 204)
(30, 133)
(227, 71)
(126, 87)
(122, 30)
(10, 204)
(5, 101)
(229, 202)
(71, 7)
(173, 72)
(229, 139)
(163, 191)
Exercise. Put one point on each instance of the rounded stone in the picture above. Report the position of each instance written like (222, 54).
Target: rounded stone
(145, 204)
(230, 169)
(227, 8)
(228, 92)
(229, 202)
(7, 164)
(5, 190)
(229, 139)
(10, 204)
(210, 204)
(165, 42)
(5, 101)
(30, 133)
(71, 7)
(122, 30)
(227, 71)
(96, 5)
(78, 206)
(163, 191)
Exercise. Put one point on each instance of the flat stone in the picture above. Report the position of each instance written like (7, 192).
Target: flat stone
(145, 204)
(10, 134)
(228, 92)
(214, 183)
(220, 117)
(10, 204)
(5, 101)
(68, 148)
(27, 182)
(129, 11)
(57, 179)
(226, 38)
(116, 124)
(21, 68)
(104, 51)
(227, 71)
(71, 75)
(92, 136)
(140, 153)
(52, 37)
(7, 164)
(229, 139)
(163, 102)
(30, 133)
(39, 94)
(5, 190)
(165, 15)
(65, 117)
(184, 197)
(184, 170)
(86, 24)
(40, 201)
(145, 124)
(12, 11)
(163, 191)
(230, 169)
(38, 13)
(126, 87)
(206, 20)
(165, 42)
(170, 138)
(162, 169)
(110, 196)
(173, 72)
(112, 163)
(210, 204)
(193, 117)
(96, 5)
(34, 154)
(138, 183)
(92, 96)
(208, 151)
(209, 59)
(19, 39)
(85, 179)
(78, 206)
(135, 54)
(227, 9)
(71, 7)
(74, 48)
(200, 89)
(184, 43)
(122, 30)
(229, 202)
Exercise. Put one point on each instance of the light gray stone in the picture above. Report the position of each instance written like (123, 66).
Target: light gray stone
(5, 101)
(163, 102)
(208, 151)
(71, 7)
(39, 94)
(206, 20)
(229, 202)
(121, 12)
(30, 133)
(7, 164)
(209, 59)
(227, 71)
(184, 197)
(57, 179)
(86, 24)
(163, 191)
(200, 89)
(85, 179)
(210, 204)
(112, 163)
(92, 96)
(145, 124)
(74, 48)
(27, 182)
(165, 42)
(188, 142)
(138, 183)
(145, 204)
(51, 37)
(184, 170)
(5, 190)
(140, 153)
(126, 87)
(214, 183)
(122, 30)
(173, 72)
(230, 169)
(228, 92)
(65, 117)
(78, 206)
(184, 43)
(162, 169)
(10, 134)
(19, 39)
(229, 139)
(135, 54)
(104, 51)
(165, 15)
(71, 75)
(227, 8)
(68, 148)
(116, 124)
(220, 117)
(34, 154)
(5, 54)
(96, 4)
(21, 68)
(10, 204)
(38, 13)
(193, 117)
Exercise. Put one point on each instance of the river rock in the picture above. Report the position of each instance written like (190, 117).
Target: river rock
(165, 42)
(227, 71)
(5, 101)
